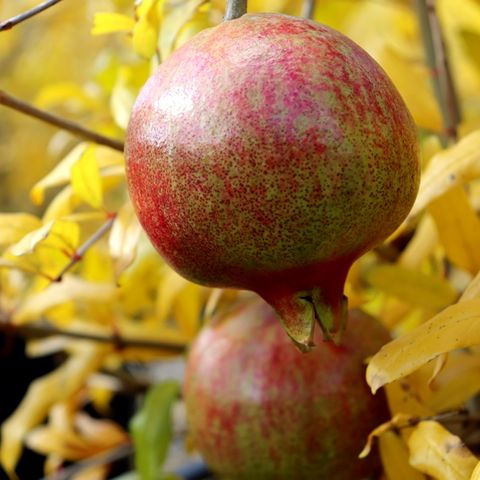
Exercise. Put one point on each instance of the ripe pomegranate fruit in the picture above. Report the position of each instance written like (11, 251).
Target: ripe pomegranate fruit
(267, 154)
(262, 410)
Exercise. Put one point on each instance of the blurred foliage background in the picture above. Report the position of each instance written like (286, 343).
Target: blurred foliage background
(59, 195)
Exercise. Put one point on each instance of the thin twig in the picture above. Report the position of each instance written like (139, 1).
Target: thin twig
(308, 8)
(11, 22)
(454, 416)
(103, 458)
(20, 106)
(80, 252)
(235, 9)
(43, 330)
(439, 66)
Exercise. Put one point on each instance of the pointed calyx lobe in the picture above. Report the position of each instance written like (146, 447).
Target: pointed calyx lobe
(268, 153)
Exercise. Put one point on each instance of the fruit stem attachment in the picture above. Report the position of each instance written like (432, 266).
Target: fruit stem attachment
(299, 311)
(235, 9)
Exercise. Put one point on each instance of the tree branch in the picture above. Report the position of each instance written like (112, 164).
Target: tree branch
(20, 106)
(235, 9)
(80, 252)
(308, 8)
(439, 66)
(39, 330)
(11, 22)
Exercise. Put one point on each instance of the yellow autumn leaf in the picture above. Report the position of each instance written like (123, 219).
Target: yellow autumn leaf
(399, 420)
(476, 473)
(453, 328)
(61, 174)
(75, 438)
(458, 381)
(66, 94)
(71, 288)
(14, 226)
(187, 309)
(422, 244)
(42, 394)
(58, 176)
(458, 228)
(456, 18)
(389, 32)
(18, 265)
(440, 454)
(101, 390)
(146, 270)
(199, 21)
(144, 7)
(412, 286)
(173, 20)
(111, 22)
(124, 238)
(61, 205)
(59, 234)
(395, 458)
(85, 179)
(65, 202)
(448, 169)
(170, 286)
(405, 399)
(145, 30)
(473, 289)
(121, 100)
(28, 243)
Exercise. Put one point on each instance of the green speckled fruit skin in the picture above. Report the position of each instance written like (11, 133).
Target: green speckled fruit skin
(259, 409)
(268, 153)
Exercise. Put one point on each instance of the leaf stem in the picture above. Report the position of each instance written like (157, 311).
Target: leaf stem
(14, 103)
(11, 22)
(235, 9)
(439, 65)
(80, 252)
(308, 8)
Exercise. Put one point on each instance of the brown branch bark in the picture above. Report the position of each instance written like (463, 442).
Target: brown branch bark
(439, 65)
(80, 252)
(11, 22)
(14, 103)
(43, 330)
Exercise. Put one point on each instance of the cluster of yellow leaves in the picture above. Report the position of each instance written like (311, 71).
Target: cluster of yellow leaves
(428, 295)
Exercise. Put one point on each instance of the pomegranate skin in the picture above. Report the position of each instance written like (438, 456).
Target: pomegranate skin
(259, 409)
(268, 153)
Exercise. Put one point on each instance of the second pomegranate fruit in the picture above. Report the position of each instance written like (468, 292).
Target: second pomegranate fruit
(258, 409)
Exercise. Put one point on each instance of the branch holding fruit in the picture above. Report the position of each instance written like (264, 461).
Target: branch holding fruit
(235, 9)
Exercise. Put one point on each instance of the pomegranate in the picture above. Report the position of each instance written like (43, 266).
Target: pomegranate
(262, 410)
(267, 154)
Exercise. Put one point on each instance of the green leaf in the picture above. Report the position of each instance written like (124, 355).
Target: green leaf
(151, 429)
